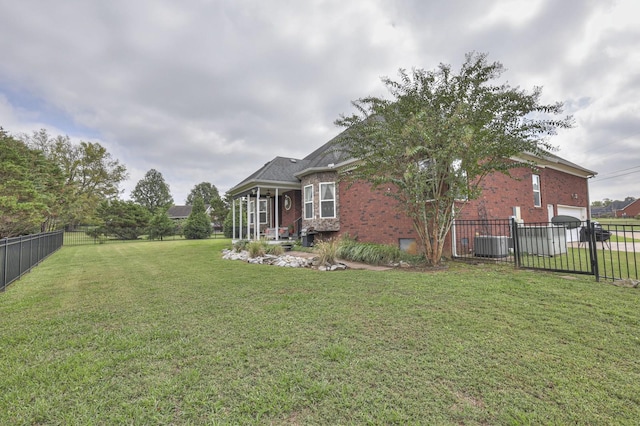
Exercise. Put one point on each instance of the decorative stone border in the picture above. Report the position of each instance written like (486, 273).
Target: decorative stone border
(286, 261)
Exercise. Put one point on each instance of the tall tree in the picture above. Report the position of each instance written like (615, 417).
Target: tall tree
(219, 210)
(205, 190)
(209, 193)
(30, 189)
(124, 220)
(198, 224)
(440, 135)
(152, 192)
(91, 173)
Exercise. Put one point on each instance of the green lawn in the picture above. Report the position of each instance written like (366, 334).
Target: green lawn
(617, 221)
(169, 333)
(612, 263)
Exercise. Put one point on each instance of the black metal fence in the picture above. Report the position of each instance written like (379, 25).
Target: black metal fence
(554, 247)
(81, 235)
(483, 239)
(606, 251)
(18, 255)
(617, 248)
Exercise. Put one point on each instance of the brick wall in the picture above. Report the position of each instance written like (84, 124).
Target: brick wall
(501, 193)
(289, 217)
(630, 211)
(372, 216)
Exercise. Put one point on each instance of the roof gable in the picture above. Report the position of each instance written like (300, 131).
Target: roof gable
(631, 204)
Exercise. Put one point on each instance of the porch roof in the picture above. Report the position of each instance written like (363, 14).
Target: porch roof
(278, 173)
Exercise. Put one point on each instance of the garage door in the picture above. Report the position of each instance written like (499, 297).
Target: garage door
(575, 211)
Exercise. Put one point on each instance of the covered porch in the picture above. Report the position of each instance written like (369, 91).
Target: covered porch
(263, 212)
(267, 204)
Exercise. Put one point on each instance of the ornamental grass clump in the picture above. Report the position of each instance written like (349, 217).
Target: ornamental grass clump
(327, 251)
(274, 249)
(256, 249)
(370, 253)
(240, 245)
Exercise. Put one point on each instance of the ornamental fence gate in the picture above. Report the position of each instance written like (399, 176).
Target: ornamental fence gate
(568, 245)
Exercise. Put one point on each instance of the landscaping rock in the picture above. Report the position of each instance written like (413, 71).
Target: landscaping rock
(284, 261)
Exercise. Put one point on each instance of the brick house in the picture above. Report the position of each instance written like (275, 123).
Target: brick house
(296, 195)
(631, 210)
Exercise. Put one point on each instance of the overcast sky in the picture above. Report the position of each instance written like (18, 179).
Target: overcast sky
(210, 90)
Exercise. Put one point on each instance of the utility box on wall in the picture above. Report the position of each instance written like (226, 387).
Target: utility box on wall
(491, 246)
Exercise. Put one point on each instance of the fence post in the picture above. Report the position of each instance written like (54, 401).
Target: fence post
(593, 249)
(4, 263)
(516, 242)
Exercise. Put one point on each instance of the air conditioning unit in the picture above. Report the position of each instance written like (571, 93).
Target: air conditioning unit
(542, 240)
(491, 246)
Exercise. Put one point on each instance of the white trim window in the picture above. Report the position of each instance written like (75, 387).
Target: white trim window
(537, 198)
(308, 202)
(252, 212)
(327, 200)
(262, 206)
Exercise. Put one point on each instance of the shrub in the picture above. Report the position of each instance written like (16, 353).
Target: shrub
(373, 254)
(160, 226)
(198, 224)
(274, 249)
(124, 220)
(327, 251)
(256, 248)
(241, 245)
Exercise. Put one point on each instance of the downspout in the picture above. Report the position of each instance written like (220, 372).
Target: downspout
(454, 246)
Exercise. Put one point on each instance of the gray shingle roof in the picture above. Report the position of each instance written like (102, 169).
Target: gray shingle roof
(331, 152)
(182, 212)
(284, 170)
(279, 170)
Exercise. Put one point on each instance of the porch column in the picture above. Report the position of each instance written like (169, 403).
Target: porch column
(240, 226)
(277, 217)
(248, 216)
(256, 230)
(233, 220)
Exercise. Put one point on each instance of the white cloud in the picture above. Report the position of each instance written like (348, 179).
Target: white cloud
(211, 90)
